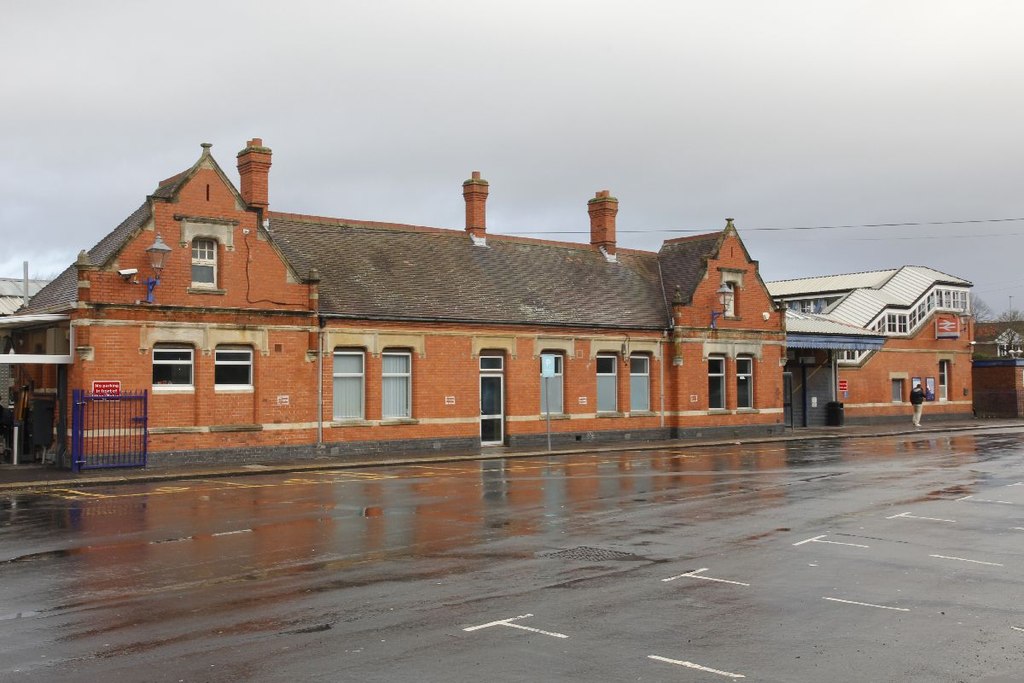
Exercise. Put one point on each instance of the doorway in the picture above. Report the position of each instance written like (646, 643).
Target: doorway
(492, 400)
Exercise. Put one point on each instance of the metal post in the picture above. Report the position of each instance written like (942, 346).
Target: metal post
(547, 411)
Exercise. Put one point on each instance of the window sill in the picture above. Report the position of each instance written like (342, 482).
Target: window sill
(351, 422)
(206, 290)
(642, 413)
(747, 411)
(718, 411)
(391, 421)
(236, 428)
(555, 416)
(611, 414)
(232, 388)
(173, 389)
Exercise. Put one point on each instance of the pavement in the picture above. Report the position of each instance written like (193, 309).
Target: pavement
(37, 476)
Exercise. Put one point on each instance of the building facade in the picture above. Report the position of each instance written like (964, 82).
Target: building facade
(258, 334)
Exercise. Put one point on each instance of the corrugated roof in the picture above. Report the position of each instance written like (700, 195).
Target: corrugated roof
(829, 284)
(816, 323)
(385, 271)
(12, 291)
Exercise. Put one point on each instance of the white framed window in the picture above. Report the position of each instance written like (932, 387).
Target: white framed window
(204, 262)
(896, 323)
(943, 380)
(607, 383)
(552, 388)
(396, 380)
(897, 391)
(349, 384)
(639, 383)
(232, 367)
(172, 366)
(716, 382)
(744, 382)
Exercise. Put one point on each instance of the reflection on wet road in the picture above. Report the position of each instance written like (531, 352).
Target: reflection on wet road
(138, 573)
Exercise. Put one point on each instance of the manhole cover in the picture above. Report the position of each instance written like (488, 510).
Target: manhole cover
(589, 554)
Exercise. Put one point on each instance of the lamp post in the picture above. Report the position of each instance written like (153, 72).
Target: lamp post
(725, 295)
(158, 254)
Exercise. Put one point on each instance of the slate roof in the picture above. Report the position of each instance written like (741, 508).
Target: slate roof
(683, 262)
(62, 293)
(386, 271)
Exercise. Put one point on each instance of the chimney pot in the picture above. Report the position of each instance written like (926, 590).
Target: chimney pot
(474, 191)
(602, 209)
(254, 171)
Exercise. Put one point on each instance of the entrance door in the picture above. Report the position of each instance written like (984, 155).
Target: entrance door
(492, 400)
(787, 399)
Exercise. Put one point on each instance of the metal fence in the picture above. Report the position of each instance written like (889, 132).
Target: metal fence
(108, 430)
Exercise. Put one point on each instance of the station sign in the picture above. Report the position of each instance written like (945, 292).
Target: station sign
(947, 327)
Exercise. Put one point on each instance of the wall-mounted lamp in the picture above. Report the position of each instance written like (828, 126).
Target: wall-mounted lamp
(158, 254)
(725, 295)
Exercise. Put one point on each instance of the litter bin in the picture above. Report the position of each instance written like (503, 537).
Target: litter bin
(834, 415)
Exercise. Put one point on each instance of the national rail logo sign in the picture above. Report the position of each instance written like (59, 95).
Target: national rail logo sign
(947, 327)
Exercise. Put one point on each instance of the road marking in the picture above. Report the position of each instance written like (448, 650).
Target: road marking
(508, 622)
(698, 667)
(693, 575)
(231, 533)
(817, 539)
(1018, 528)
(964, 498)
(907, 515)
(1017, 628)
(964, 559)
(1019, 483)
(868, 604)
(989, 500)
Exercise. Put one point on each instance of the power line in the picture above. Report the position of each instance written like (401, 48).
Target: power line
(905, 224)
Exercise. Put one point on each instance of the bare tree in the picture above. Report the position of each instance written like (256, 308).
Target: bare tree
(982, 311)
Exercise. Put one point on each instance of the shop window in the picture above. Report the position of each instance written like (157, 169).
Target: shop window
(204, 262)
(396, 374)
(639, 383)
(552, 389)
(716, 382)
(172, 366)
(232, 367)
(744, 382)
(607, 385)
(349, 384)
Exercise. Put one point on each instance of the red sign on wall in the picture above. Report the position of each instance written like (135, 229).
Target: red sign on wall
(106, 388)
(947, 327)
(844, 385)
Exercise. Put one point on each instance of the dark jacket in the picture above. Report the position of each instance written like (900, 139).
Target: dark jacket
(917, 395)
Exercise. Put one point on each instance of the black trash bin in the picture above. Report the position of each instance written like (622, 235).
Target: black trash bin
(834, 414)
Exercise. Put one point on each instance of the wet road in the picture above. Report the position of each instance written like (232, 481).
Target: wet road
(888, 559)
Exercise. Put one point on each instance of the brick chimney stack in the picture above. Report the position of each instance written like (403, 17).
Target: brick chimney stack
(602, 209)
(254, 170)
(475, 192)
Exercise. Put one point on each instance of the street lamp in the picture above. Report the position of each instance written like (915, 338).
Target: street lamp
(725, 295)
(158, 254)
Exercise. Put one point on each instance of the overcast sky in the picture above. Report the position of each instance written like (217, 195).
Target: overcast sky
(780, 114)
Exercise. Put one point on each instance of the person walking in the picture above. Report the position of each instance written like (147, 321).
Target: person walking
(917, 401)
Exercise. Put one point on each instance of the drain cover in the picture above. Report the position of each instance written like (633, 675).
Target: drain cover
(589, 554)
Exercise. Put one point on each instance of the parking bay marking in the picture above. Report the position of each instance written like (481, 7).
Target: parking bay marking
(985, 500)
(868, 604)
(907, 515)
(817, 539)
(508, 622)
(964, 559)
(695, 572)
(698, 667)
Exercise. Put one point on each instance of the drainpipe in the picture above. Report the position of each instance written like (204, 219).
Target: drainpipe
(320, 381)
(661, 384)
(24, 266)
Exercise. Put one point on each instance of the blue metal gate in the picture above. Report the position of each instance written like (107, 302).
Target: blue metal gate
(108, 431)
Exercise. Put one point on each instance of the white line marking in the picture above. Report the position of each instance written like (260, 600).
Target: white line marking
(817, 539)
(508, 622)
(693, 575)
(231, 533)
(964, 498)
(867, 604)
(809, 540)
(963, 559)
(1019, 483)
(1017, 628)
(907, 515)
(989, 500)
(691, 665)
(1018, 528)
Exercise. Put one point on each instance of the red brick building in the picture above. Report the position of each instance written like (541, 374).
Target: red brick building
(891, 329)
(268, 334)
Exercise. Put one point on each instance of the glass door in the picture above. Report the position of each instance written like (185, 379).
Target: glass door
(492, 400)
